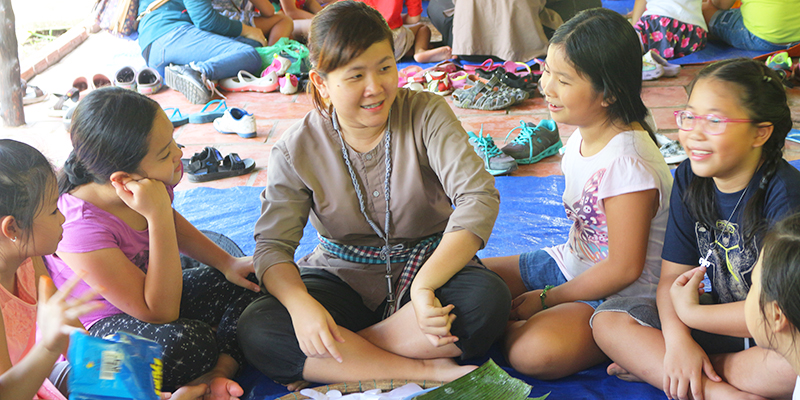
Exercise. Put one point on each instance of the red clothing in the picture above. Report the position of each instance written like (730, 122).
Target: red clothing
(392, 10)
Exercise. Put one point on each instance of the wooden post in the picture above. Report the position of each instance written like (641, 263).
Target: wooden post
(10, 88)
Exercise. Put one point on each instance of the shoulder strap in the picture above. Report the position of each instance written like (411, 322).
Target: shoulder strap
(154, 5)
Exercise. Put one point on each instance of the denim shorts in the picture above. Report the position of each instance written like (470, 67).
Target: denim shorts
(538, 270)
(728, 25)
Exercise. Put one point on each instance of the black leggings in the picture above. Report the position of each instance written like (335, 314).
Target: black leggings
(210, 307)
(481, 298)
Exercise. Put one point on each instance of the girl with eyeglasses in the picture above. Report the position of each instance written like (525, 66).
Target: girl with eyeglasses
(734, 186)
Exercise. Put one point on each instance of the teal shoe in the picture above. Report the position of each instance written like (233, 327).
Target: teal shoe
(534, 142)
(494, 160)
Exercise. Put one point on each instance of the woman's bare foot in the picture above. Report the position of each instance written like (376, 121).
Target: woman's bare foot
(186, 393)
(220, 387)
(615, 370)
(445, 369)
(434, 55)
(298, 385)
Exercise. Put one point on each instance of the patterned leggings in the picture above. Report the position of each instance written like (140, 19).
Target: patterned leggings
(210, 309)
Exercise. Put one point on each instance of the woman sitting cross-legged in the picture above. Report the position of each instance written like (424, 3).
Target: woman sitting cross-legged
(381, 171)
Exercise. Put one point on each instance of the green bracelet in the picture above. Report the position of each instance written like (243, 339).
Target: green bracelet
(543, 295)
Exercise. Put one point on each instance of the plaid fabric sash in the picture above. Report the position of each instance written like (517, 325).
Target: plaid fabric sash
(413, 257)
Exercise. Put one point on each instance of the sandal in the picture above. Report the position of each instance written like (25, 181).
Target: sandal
(176, 117)
(526, 82)
(496, 85)
(32, 93)
(487, 65)
(480, 97)
(204, 116)
(209, 165)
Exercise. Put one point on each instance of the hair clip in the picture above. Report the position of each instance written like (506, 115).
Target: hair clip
(767, 78)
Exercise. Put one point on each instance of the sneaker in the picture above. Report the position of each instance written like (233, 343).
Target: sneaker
(238, 121)
(534, 142)
(651, 70)
(288, 84)
(782, 64)
(190, 82)
(494, 160)
(148, 81)
(671, 149)
(279, 66)
(670, 70)
(125, 78)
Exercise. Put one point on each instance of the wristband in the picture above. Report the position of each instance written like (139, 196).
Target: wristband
(543, 295)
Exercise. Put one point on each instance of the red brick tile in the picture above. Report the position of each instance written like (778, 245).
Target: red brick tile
(684, 78)
(671, 96)
(665, 120)
(261, 178)
(206, 134)
(250, 98)
(535, 105)
(264, 110)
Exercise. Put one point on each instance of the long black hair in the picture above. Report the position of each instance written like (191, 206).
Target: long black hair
(110, 131)
(25, 178)
(780, 268)
(762, 96)
(603, 47)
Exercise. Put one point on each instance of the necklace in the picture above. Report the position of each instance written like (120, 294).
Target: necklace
(704, 260)
(383, 234)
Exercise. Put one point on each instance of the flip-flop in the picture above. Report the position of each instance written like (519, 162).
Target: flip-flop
(205, 115)
(32, 94)
(176, 117)
(209, 165)
(794, 135)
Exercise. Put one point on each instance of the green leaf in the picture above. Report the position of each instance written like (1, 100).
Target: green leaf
(487, 382)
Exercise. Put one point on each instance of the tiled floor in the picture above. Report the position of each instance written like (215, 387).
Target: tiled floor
(276, 112)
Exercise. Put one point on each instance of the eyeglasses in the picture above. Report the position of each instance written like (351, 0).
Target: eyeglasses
(712, 124)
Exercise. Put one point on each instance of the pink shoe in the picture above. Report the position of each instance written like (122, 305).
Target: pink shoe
(288, 84)
(279, 66)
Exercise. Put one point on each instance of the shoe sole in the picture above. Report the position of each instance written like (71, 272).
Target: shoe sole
(248, 135)
(194, 94)
(496, 172)
(550, 151)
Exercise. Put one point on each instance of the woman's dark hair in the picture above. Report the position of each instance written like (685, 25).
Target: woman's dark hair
(603, 47)
(338, 34)
(25, 178)
(110, 132)
(762, 96)
(780, 268)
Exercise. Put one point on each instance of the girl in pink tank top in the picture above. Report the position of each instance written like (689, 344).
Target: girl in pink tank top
(30, 227)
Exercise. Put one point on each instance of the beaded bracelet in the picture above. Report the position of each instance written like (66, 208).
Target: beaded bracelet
(543, 295)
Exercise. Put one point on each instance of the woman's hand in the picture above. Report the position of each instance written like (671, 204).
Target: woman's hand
(147, 197)
(254, 33)
(684, 365)
(433, 319)
(685, 292)
(526, 305)
(238, 270)
(316, 331)
(57, 314)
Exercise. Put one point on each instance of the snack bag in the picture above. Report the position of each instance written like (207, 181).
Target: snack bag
(120, 366)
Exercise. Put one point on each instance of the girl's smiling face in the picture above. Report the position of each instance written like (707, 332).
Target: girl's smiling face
(732, 156)
(363, 90)
(163, 159)
(571, 97)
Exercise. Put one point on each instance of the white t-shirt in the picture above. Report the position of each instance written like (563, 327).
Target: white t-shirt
(688, 11)
(796, 394)
(629, 163)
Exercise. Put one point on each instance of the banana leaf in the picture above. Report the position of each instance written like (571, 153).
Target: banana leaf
(487, 382)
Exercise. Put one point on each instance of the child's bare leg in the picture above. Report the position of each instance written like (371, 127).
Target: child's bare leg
(274, 27)
(301, 28)
(638, 353)
(757, 370)
(422, 40)
(708, 11)
(363, 360)
(553, 343)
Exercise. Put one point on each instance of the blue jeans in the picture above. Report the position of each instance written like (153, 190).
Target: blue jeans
(538, 270)
(217, 56)
(728, 25)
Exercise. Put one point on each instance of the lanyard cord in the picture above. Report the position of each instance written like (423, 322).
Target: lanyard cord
(386, 250)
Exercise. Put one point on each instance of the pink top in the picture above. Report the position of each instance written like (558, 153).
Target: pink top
(392, 10)
(19, 317)
(88, 228)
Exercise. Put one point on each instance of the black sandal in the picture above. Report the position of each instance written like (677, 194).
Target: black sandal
(209, 165)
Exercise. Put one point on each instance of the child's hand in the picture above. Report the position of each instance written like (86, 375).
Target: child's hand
(254, 33)
(237, 272)
(685, 362)
(433, 319)
(409, 20)
(147, 197)
(684, 292)
(316, 331)
(57, 314)
(526, 305)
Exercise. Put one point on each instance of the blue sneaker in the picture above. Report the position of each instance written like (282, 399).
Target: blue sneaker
(534, 142)
(494, 160)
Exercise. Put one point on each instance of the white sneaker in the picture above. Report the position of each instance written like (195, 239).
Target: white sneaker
(671, 150)
(238, 121)
(670, 70)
